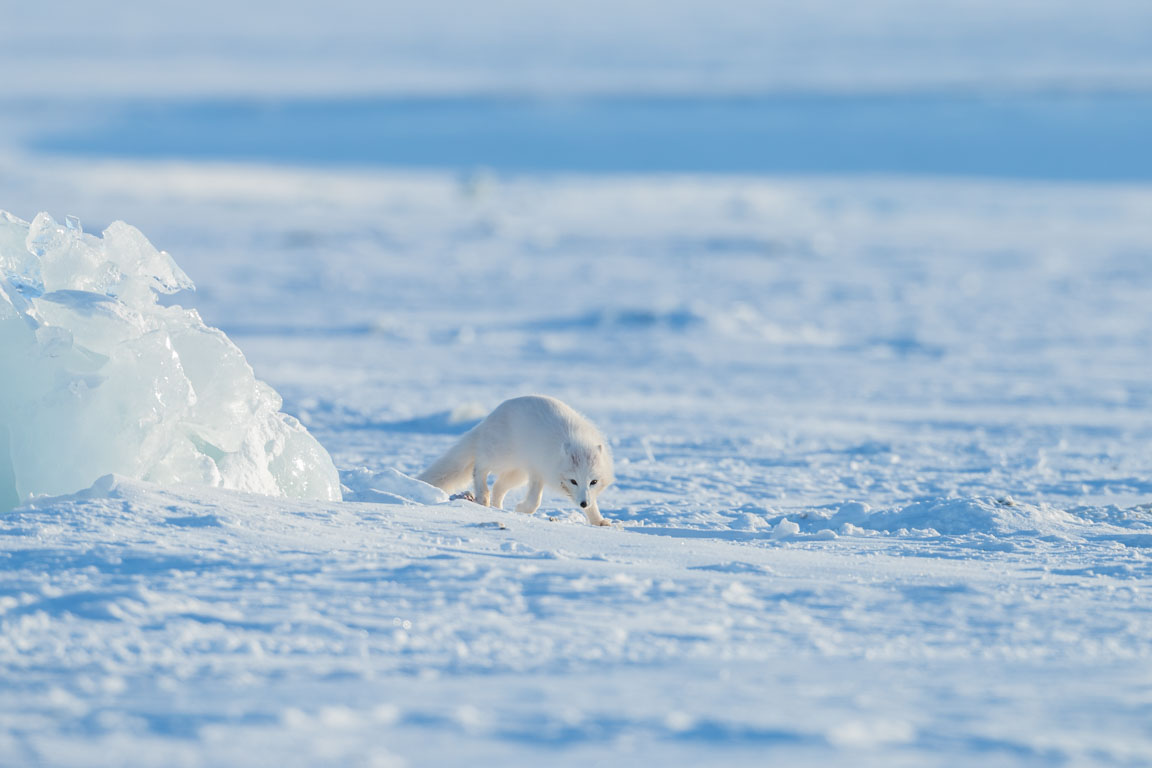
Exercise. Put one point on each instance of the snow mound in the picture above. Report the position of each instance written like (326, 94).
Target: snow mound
(959, 517)
(389, 486)
(99, 378)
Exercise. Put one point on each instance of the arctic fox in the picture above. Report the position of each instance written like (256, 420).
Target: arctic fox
(536, 440)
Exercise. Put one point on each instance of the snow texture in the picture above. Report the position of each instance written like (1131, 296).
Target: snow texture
(100, 377)
(882, 460)
(884, 487)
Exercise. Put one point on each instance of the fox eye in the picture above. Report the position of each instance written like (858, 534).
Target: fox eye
(573, 482)
(593, 482)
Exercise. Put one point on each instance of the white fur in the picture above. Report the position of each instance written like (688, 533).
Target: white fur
(536, 440)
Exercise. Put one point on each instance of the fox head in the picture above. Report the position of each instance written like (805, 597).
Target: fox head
(586, 470)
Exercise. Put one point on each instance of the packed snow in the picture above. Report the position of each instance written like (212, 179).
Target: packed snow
(100, 377)
(882, 480)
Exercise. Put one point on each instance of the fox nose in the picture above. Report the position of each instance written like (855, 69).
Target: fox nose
(583, 504)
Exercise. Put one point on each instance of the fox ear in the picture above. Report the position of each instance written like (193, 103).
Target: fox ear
(569, 450)
(600, 448)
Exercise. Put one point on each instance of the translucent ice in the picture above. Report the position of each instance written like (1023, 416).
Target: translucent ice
(96, 377)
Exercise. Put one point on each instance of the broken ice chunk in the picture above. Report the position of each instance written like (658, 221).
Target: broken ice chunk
(101, 379)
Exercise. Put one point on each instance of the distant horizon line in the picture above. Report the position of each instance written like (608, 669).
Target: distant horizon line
(595, 89)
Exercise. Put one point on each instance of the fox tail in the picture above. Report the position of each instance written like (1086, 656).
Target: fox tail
(453, 470)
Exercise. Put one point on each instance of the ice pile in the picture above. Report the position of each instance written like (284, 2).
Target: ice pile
(97, 377)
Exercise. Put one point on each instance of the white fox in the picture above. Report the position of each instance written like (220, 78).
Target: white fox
(533, 439)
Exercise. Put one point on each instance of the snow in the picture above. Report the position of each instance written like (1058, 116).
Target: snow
(882, 480)
(388, 486)
(193, 622)
(100, 377)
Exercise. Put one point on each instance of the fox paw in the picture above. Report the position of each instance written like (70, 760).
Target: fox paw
(603, 521)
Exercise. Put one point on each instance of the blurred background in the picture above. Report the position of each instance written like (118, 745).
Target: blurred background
(1039, 89)
(880, 204)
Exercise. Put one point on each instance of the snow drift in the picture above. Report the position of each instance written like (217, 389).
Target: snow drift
(99, 377)
(1001, 517)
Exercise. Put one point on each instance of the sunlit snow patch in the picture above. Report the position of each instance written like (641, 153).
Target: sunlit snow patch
(98, 377)
(960, 517)
(388, 486)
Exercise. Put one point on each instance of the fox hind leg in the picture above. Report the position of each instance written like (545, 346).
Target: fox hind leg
(531, 502)
(480, 484)
(513, 478)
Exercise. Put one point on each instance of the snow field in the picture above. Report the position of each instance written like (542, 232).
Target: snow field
(882, 460)
(188, 619)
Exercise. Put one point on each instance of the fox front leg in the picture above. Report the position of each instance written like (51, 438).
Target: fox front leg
(531, 502)
(513, 478)
(594, 516)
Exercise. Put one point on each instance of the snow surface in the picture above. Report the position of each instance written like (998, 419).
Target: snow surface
(882, 458)
(100, 377)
